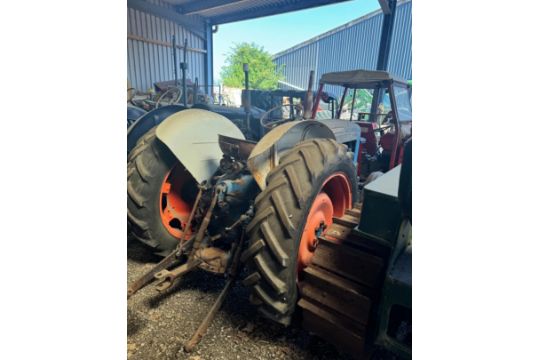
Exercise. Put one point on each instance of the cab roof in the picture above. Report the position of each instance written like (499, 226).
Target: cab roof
(359, 78)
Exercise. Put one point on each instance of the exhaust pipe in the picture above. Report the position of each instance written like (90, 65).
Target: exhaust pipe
(195, 90)
(247, 100)
(183, 66)
(309, 96)
(175, 60)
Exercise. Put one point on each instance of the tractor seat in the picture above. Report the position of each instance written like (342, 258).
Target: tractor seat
(387, 141)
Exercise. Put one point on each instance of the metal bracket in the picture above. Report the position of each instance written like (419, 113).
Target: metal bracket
(165, 278)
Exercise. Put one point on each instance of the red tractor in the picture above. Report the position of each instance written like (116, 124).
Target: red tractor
(383, 131)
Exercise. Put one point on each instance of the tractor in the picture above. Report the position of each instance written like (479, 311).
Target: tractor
(383, 133)
(284, 210)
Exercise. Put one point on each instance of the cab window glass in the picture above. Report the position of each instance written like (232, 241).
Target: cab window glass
(362, 104)
(403, 103)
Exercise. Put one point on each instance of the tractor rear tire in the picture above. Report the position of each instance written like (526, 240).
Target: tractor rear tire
(149, 162)
(281, 214)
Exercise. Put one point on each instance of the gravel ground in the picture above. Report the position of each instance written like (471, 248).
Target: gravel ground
(158, 324)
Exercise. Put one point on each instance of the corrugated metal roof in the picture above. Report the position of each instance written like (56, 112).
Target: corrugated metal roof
(351, 46)
(225, 11)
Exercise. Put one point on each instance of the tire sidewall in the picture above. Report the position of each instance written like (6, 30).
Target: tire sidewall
(159, 161)
(340, 167)
(159, 232)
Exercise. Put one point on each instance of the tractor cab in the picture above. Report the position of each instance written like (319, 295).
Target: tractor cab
(381, 105)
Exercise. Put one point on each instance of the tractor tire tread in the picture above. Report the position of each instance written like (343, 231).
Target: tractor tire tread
(280, 212)
(148, 163)
(252, 250)
(142, 169)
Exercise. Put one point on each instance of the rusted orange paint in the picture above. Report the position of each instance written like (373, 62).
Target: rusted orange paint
(172, 205)
(332, 200)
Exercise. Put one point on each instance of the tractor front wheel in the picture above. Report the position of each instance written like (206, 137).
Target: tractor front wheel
(314, 182)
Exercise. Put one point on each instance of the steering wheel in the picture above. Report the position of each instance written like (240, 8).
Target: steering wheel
(170, 97)
(270, 124)
(383, 128)
(389, 117)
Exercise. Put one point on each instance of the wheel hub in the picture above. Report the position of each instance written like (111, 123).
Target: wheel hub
(174, 208)
(331, 201)
(319, 218)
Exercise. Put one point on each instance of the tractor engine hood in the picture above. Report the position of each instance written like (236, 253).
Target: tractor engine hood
(192, 136)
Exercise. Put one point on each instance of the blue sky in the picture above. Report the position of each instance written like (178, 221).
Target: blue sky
(279, 32)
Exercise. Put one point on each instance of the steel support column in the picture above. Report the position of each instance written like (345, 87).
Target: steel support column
(389, 18)
(389, 10)
(209, 58)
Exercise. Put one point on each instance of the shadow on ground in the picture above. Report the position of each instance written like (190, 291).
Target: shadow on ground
(159, 324)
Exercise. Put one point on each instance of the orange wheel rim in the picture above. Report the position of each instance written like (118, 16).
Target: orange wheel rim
(332, 200)
(174, 207)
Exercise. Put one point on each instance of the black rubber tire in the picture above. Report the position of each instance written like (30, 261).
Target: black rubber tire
(148, 164)
(280, 215)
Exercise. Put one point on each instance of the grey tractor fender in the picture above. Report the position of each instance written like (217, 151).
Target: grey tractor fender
(192, 136)
(265, 155)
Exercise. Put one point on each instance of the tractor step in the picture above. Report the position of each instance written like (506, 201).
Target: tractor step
(348, 262)
(354, 212)
(340, 285)
(347, 220)
(332, 328)
(335, 292)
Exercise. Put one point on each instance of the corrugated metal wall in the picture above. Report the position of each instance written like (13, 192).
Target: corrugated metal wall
(351, 46)
(148, 62)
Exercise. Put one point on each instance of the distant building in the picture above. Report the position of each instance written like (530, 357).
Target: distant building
(353, 45)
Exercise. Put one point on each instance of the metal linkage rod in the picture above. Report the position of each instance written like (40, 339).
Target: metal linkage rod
(204, 225)
(201, 330)
(149, 276)
(205, 324)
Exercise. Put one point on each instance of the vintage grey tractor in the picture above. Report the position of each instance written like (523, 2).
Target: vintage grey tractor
(283, 211)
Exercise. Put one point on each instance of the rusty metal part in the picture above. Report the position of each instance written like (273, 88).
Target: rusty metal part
(201, 330)
(236, 148)
(236, 250)
(340, 285)
(168, 261)
(190, 219)
(165, 278)
(215, 237)
(205, 324)
(213, 259)
(240, 220)
(204, 225)
(149, 276)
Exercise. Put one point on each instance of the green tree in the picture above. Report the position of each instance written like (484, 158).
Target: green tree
(263, 73)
